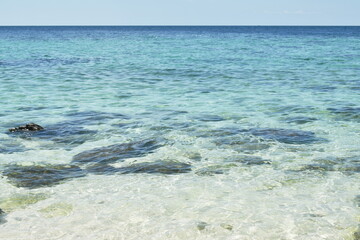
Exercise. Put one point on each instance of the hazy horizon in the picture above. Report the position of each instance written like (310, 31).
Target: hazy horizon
(179, 13)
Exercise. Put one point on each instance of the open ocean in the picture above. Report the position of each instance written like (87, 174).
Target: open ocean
(180, 133)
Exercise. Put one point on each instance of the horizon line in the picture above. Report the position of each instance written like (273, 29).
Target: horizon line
(178, 25)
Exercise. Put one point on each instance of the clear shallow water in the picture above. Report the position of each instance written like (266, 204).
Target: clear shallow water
(180, 132)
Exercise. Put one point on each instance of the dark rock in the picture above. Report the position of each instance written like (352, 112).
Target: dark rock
(288, 136)
(209, 172)
(346, 113)
(26, 128)
(347, 165)
(64, 132)
(117, 152)
(41, 175)
(226, 226)
(357, 234)
(317, 167)
(300, 120)
(2, 214)
(162, 167)
(249, 160)
(357, 200)
(222, 132)
(201, 225)
(243, 144)
(67, 133)
(102, 169)
(215, 169)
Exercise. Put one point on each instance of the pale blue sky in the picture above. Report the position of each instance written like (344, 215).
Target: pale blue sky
(179, 12)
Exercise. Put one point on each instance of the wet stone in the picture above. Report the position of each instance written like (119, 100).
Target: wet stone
(41, 175)
(288, 136)
(117, 152)
(1, 212)
(346, 113)
(30, 127)
(161, 167)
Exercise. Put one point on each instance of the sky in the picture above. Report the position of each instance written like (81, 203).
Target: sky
(180, 12)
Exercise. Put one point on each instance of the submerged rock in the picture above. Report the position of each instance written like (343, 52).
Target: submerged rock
(226, 226)
(244, 144)
(249, 160)
(317, 167)
(20, 201)
(347, 165)
(221, 132)
(346, 113)
(162, 167)
(117, 152)
(30, 127)
(102, 169)
(64, 132)
(357, 234)
(56, 210)
(288, 136)
(300, 120)
(201, 225)
(69, 132)
(214, 169)
(2, 215)
(357, 200)
(41, 175)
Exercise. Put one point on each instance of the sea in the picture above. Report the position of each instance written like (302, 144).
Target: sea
(180, 132)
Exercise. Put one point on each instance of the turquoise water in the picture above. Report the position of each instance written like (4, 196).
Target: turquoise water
(180, 132)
